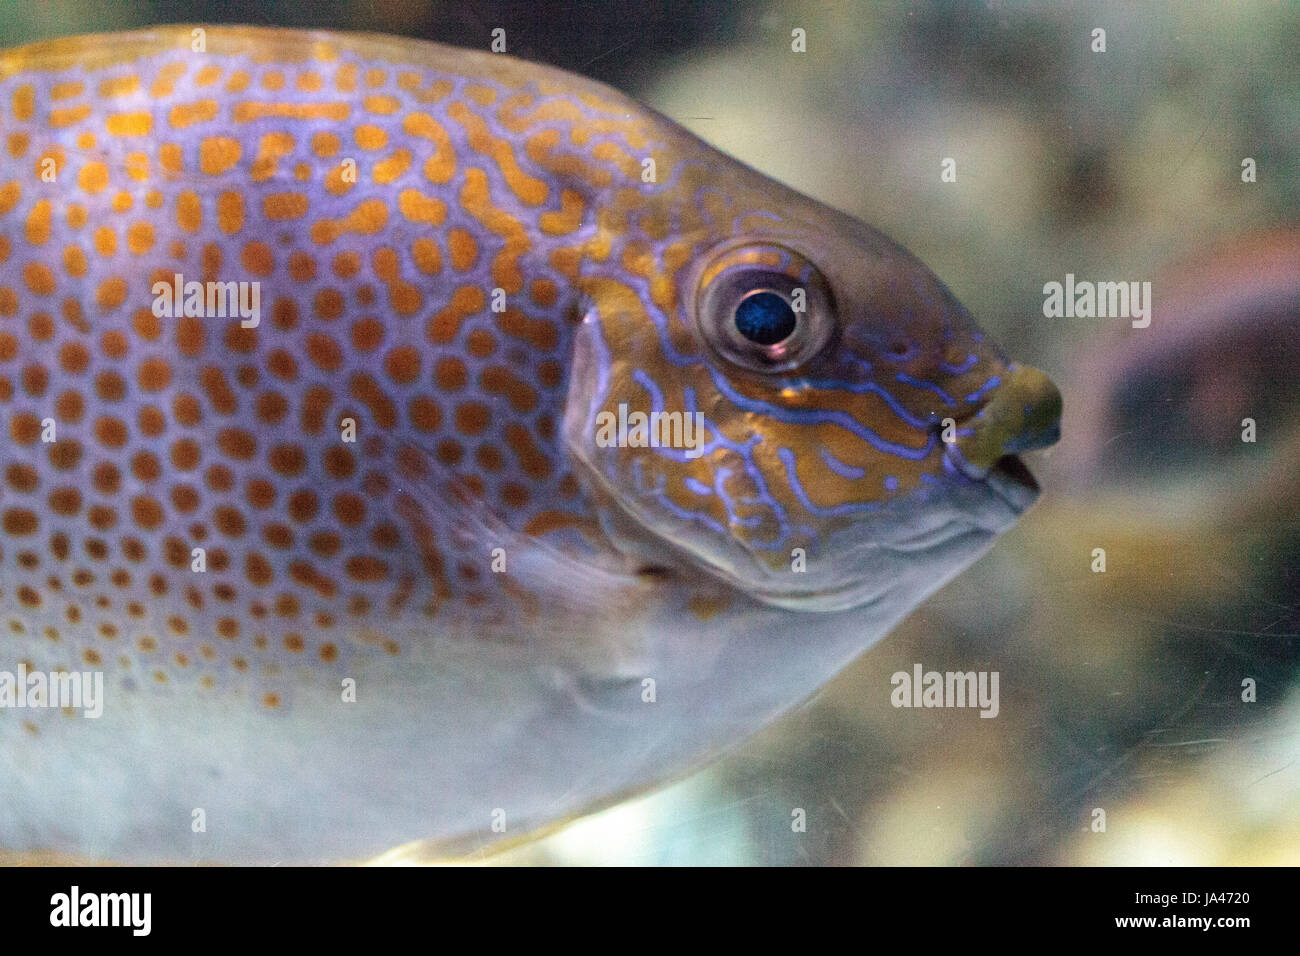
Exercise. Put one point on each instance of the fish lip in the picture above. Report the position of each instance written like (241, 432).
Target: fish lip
(1009, 478)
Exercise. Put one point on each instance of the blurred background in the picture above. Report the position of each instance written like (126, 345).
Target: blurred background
(1120, 691)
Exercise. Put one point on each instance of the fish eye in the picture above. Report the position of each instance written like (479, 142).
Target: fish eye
(764, 308)
(765, 317)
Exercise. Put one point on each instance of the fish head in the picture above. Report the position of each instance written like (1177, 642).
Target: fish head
(848, 435)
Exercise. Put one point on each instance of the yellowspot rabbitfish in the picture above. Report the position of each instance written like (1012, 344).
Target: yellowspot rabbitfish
(418, 443)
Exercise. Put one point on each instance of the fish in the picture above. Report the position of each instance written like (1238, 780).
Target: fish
(428, 446)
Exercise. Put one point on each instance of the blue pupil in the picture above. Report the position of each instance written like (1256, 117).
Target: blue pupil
(765, 318)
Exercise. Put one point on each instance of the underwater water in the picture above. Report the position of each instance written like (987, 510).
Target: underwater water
(1142, 621)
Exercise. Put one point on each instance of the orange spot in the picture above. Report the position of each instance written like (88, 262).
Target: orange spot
(38, 278)
(169, 157)
(207, 75)
(539, 333)
(129, 124)
(425, 255)
(544, 292)
(74, 261)
(68, 117)
(38, 223)
(449, 374)
(387, 170)
(568, 219)
(23, 102)
(67, 91)
(270, 150)
(445, 326)
(402, 365)
(93, 177)
(499, 380)
(530, 190)
(324, 352)
(154, 375)
(324, 145)
(463, 249)
(248, 111)
(189, 211)
(424, 414)
(477, 201)
(368, 218)
(19, 521)
(441, 166)
(165, 83)
(218, 153)
(367, 334)
(328, 304)
(480, 343)
(230, 211)
(302, 267)
(190, 114)
(472, 417)
(282, 206)
(366, 569)
(370, 137)
(137, 167)
(119, 86)
(10, 193)
(383, 105)
(105, 241)
(365, 389)
(139, 237)
(403, 297)
(420, 208)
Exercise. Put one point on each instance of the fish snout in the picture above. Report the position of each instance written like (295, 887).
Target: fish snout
(1023, 414)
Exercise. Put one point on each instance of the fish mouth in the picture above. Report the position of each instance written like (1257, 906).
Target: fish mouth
(1009, 478)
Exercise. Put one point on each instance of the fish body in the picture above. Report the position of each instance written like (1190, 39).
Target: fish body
(373, 547)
